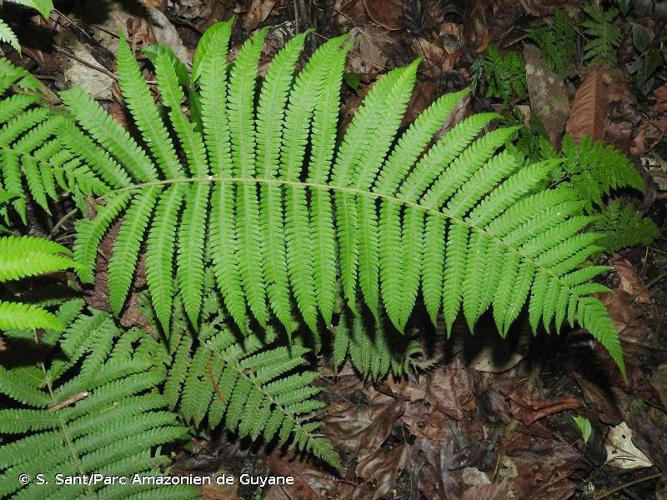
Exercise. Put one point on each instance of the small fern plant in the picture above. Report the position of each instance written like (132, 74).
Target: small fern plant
(89, 404)
(22, 257)
(624, 226)
(603, 36)
(597, 172)
(293, 216)
(7, 35)
(557, 41)
(504, 77)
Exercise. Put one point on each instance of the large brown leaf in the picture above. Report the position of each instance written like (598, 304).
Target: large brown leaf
(386, 13)
(589, 110)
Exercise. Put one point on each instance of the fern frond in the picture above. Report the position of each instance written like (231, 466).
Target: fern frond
(22, 257)
(242, 85)
(286, 228)
(7, 35)
(126, 247)
(103, 419)
(374, 350)
(603, 35)
(624, 226)
(260, 390)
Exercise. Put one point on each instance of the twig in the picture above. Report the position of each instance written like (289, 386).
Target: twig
(62, 221)
(215, 384)
(86, 63)
(69, 401)
(648, 285)
(628, 485)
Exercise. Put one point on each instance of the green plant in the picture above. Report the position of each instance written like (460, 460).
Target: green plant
(44, 7)
(33, 162)
(375, 348)
(648, 58)
(22, 257)
(504, 76)
(557, 41)
(463, 221)
(88, 404)
(259, 388)
(584, 426)
(596, 171)
(603, 36)
(624, 226)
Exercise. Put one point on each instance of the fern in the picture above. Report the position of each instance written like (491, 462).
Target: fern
(33, 161)
(374, 349)
(504, 76)
(604, 37)
(624, 226)
(106, 418)
(7, 35)
(24, 257)
(256, 387)
(595, 170)
(557, 41)
(349, 214)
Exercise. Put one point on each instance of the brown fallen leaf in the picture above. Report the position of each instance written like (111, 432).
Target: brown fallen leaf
(381, 469)
(630, 281)
(216, 491)
(386, 13)
(310, 481)
(530, 411)
(660, 96)
(548, 477)
(157, 4)
(370, 52)
(450, 389)
(589, 109)
(359, 430)
(258, 11)
(486, 491)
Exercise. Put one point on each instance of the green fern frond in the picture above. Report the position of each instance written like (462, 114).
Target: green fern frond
(604, 37)
(504, 76)
(352, 217)
(374, 350)
(624, 226)
(7, 35)
(557, 41)
(595, 170)
(22, 257)
(257, 388)
(106, 419)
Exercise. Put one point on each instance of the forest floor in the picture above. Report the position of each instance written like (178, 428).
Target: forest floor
(489, 419)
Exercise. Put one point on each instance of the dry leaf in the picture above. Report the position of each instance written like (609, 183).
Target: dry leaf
(257, 13)
(621, 451)
(660, 96)
(589, 110)
(370, 51)
(386, 13)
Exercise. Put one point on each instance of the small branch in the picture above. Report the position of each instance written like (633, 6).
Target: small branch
(69, 401)
(628, 485)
